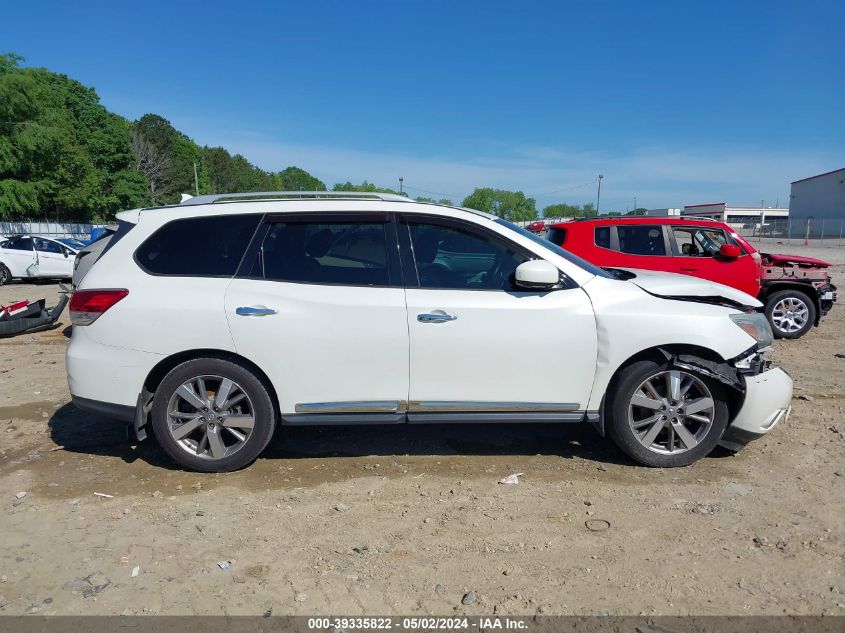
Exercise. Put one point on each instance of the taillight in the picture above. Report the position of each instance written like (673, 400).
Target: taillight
(86, 306)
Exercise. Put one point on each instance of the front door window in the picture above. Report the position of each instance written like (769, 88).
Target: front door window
(449, 257)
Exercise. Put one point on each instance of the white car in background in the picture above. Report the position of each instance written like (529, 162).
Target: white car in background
(36, 257)
(217, 320)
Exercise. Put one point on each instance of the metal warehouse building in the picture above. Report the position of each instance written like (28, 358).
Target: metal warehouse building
(819, 198)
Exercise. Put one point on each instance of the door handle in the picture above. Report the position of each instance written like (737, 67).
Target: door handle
(689, 270)
(435, 318)
(256, 311)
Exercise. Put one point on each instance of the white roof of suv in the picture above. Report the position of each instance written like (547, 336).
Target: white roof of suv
(290, 196)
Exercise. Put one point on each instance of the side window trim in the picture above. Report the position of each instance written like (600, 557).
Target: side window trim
(614, 239)
(394, 267)
(406, 254)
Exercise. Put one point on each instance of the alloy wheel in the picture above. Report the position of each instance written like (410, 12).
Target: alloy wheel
(671, 412)
(210, 416)
(790, 314)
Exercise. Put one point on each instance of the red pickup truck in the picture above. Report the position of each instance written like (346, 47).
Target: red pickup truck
(796, 291)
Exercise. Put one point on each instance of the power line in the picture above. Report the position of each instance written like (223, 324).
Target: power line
(548, 193)
(434, 193)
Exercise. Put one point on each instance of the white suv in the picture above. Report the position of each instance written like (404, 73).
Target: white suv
(214, 321)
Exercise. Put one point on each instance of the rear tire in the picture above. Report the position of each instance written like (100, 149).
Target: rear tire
(5, 275)
(647, 418)
(791, 313)
(213, 415)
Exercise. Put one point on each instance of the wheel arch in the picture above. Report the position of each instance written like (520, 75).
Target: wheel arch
(164, 366)
(663, 353)
(3, 265)
(771, 287)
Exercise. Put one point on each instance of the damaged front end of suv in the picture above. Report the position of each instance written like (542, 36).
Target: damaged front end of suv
(701, 338)
(750, 371)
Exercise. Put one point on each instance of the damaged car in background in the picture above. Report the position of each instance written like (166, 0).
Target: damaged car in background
(796, 291)
(218, 320)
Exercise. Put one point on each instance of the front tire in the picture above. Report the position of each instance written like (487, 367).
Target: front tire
(791, 313)
(213, 415)
(5, 275)
(665, 417)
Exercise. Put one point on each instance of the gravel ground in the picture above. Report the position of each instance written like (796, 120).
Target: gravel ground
(409, 520)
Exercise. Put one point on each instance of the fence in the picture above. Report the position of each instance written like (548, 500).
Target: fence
(826, 232)
(47, 229)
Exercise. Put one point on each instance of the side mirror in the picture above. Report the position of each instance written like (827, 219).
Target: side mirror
(729, 251)
(65, 252)
(537, 274)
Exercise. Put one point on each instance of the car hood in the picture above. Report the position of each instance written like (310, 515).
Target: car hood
(686, 288)
(779, 259)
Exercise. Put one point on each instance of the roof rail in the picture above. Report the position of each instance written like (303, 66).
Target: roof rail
(698, 217)
(258, 196)
(645, 217)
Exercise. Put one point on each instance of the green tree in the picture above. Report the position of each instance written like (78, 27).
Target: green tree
(444, 201)
(561, 210)
(296, 179)
(157, 143)
(62, 154)
(365, 186)
(510, 205)
(638, 211)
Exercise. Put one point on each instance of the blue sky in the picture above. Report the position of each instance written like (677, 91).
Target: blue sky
(674, 102)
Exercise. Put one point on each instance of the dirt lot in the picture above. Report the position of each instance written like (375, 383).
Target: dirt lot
(409, 520)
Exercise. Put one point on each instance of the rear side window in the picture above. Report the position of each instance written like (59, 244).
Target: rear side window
(556, 236)
(348, 253)
(641, 239)
(207, 246)
(22, 244)
(602, 236)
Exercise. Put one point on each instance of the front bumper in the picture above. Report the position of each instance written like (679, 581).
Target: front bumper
(767, 402)
(827, 297)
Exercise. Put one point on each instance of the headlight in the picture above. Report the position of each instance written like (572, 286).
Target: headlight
(756, 326)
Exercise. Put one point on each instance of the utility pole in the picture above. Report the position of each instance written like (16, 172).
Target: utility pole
(635, 203)
(196, 180)
(400, 184)
(598, 196)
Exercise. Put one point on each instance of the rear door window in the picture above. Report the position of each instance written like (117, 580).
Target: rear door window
(641, 239)
(197, 247)
(351, 253)
(22, 244)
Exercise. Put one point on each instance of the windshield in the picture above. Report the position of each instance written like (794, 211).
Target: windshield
(557, 250)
